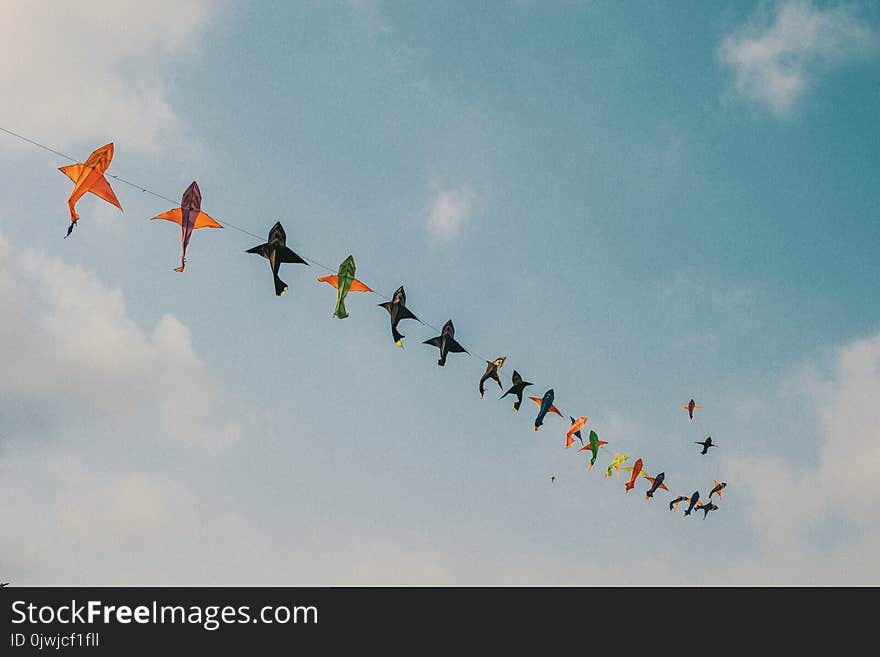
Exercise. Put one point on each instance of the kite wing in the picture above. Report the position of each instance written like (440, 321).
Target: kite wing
(357, 286)
(175, 215)
(330, 280)
(404, 313)
(286, 255)
(100, 188)
(204, 221)
(72, 171)
(434, 342)
(553, 409)
(454, 347)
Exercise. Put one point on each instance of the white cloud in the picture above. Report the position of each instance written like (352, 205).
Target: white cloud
(72, 353)
(449, 211)
(836, 497)
(96, 70)
(777, 58)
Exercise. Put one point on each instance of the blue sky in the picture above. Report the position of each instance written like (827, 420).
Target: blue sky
(637, 204)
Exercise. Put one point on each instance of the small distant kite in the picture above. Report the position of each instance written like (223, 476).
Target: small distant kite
(718, 488)
(636, 471)
(344, 282)
(615, 464)
(678, 500)
(446, 343)
(276, 252)
(516, 389)
(690, 408)
(692, 502)
(492, 367)
(594, 446)
(398, 311)
(89, 177)
(705, 443)
(575, 430)
(656, 482)
(706, 508)
(545, 405)
(190, 217)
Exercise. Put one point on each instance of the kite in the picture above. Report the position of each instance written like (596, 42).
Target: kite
(552, 478)
(4, 585)
(276, 252)
(492, 367)
(615, 464)
(718, 488)
(398, 311)
(575, 430)
(446, 343)
(690, 408)
(89, 177)
(190, 216)
(706, 444)
(516, 389)
(674, 503)
(636, 470)
(656, 482)
(546, 406)
(594, 446)
(706, 508)
(344, 282)
(692, 500)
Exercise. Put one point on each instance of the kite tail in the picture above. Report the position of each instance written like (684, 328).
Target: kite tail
(341, 312)
(70, 228)
(442, 361)
(516, 406)
(280, 286)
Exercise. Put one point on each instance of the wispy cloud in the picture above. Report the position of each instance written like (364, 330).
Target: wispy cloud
(96, 70)
(784, 48)
(449, 211)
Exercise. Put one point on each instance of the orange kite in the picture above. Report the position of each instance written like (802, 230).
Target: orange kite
(89, 177)
(190, 216)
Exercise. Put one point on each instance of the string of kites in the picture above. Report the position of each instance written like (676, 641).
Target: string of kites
(89, 177)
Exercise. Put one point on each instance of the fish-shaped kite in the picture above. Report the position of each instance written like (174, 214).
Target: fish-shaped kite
(636, 470)
(718, 488)
(492, 367)
(575, 430)
(692, 502)
(678, 500)
(706, 508)
(656, 482)
(615, 464)
(89, 177)
(516, 389)
(706, 444)
(690, 407)
(398, 311)
(190, 217)
(594, 446)
(344, 282)
(275, 251)
(446, 343)
(545, 405)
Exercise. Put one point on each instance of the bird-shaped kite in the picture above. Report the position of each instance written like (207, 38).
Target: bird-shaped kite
(575, 430)
(690, 407)
(492, 367)
(398, 311)
(706, 444)
(276, 252)
(344, 282)
(516, 389)
(545, 405)
(446, 343)
(89, 177)
(190, 217)
(594, 446)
